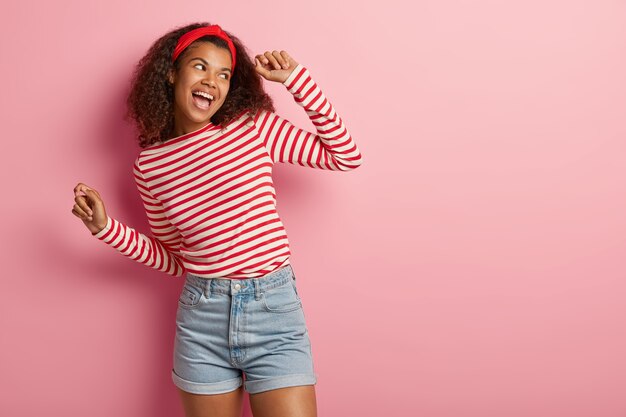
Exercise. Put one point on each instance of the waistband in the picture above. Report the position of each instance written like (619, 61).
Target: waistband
(246, 285)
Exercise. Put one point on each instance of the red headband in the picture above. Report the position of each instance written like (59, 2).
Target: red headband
(185, 40)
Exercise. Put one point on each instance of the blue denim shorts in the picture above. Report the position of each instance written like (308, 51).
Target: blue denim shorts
(233, 330)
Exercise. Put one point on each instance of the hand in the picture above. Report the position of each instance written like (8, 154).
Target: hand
(274, 66)
(89, 208)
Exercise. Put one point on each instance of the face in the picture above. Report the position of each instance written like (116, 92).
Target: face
(200, 85)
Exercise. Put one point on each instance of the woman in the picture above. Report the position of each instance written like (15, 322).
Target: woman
(210, 138)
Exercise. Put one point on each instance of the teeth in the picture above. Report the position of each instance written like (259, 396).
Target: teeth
(203, 94)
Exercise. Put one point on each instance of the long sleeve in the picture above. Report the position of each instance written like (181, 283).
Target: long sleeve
(160, 251)
(332, 148)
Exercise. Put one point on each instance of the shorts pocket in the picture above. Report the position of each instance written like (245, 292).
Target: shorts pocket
(282, 299)
(190, 296)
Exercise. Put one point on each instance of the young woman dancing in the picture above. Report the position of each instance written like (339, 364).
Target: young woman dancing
(209, 139)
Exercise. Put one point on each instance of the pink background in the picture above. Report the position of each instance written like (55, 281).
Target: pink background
(473, 266)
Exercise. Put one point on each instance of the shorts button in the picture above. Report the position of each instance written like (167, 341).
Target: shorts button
(237, 286)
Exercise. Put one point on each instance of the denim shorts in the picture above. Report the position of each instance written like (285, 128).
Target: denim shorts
(233, 330)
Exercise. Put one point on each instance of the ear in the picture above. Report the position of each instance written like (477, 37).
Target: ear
(171, 77)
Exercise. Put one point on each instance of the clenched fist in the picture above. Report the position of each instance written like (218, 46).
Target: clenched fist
(274, 66)
(89, 208)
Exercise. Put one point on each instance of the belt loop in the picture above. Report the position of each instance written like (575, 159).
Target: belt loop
(293, 275)
(207, 288)
(257, 289)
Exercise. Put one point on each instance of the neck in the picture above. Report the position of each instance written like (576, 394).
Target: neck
(184, 127)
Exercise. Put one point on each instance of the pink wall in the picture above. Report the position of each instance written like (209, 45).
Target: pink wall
(473, 266)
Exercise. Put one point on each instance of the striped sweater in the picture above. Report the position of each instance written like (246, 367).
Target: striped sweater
(209, 195)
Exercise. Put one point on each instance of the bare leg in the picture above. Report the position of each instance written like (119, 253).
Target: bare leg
(296, 401)
(215, 405)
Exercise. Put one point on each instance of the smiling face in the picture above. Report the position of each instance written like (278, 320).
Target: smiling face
(200, 85)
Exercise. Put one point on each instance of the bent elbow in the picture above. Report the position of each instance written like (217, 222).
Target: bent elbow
(352, 163)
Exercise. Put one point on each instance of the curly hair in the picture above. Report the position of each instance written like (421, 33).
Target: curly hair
(150, 103)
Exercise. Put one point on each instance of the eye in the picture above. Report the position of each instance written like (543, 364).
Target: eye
(225, 75)
(200, 65)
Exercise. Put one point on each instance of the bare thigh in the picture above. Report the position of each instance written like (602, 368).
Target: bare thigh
(285, 402)
(215, 405)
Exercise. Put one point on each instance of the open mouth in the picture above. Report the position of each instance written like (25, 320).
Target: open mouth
(202, 99)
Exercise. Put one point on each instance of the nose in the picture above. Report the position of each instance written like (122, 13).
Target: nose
(209, 79)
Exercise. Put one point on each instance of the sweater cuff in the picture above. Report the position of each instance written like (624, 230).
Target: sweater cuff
(298, 70)
(104, 231)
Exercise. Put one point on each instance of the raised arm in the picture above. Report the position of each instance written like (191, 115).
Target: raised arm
(331, 147)
(160, 251)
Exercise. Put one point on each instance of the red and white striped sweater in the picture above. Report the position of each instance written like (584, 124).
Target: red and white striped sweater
(209, 194)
